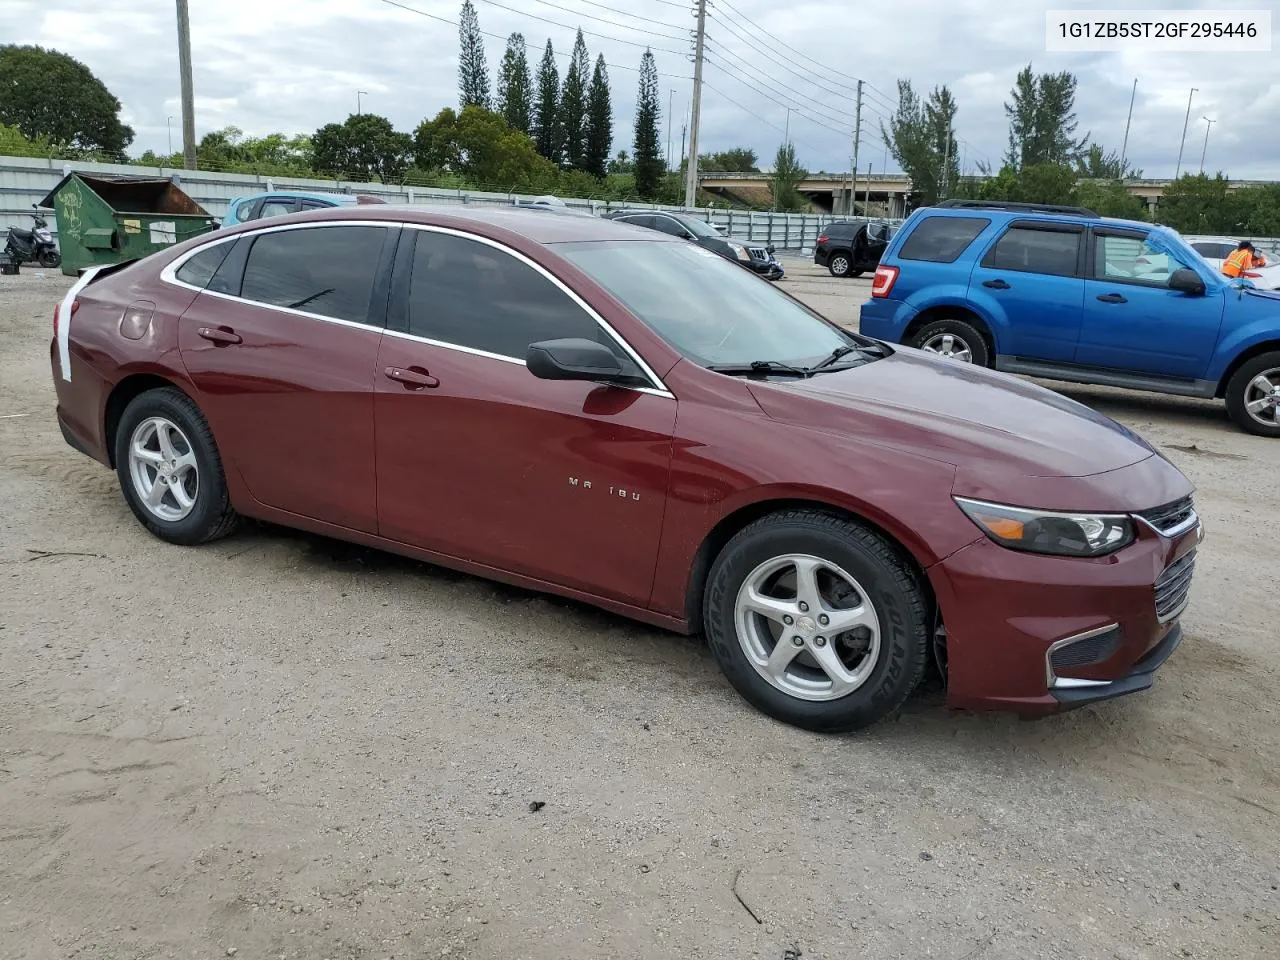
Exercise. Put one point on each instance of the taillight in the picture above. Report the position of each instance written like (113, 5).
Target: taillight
(57, 310)
(823, 239)
(883, 281)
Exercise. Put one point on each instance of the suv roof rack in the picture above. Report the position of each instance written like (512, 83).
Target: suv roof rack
(1019, 207)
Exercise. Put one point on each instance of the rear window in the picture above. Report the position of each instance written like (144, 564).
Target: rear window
(941, 239)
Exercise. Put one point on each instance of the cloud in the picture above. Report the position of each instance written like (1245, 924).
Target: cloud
(293, 65)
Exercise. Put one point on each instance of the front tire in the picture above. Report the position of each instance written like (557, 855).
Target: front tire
(170, 471)
(840, 264)
(1253, 396)
(955, 340)
(49, 258)
(817, 621)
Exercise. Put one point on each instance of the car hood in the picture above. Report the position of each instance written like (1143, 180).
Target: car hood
(984, 423)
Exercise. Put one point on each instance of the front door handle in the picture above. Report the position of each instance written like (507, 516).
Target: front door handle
(1112, 298)
(222, 336)
(995, 284)
(414, 378)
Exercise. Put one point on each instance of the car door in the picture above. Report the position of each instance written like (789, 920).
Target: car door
(1030, 282)
(282, 346)
(1132, 319)
(562, 481)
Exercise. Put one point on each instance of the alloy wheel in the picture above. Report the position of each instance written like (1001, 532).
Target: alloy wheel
(839, 266)
(950, 346)
(807, 627)
(163, 469)
(1262, 397)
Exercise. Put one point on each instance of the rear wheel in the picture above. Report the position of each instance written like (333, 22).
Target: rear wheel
(817, 621)
(1253, 396)
(839, 264)
(49, 258)
(170, 471)
(955, 340)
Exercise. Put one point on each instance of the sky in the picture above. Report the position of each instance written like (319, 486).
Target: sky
(772, 67)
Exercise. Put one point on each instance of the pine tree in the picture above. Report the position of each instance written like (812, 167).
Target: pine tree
(599, 121)
(648, 159)
(1042, 120)
(546, 109)
(573, 105)
(515, 89)
(473, 69)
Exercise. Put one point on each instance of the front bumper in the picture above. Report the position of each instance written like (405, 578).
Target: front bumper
(1036, 634)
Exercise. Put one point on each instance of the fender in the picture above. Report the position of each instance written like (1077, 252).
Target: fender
(1249, 320)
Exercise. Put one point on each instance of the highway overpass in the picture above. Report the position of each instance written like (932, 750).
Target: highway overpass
(878, 194)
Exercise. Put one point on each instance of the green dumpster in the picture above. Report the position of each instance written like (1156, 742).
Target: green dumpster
(104, 220)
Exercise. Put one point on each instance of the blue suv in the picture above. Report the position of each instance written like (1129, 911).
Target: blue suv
(1065, 294)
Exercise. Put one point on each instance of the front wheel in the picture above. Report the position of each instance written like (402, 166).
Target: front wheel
(1253, 396)
(953, 339)
(817, 621)
(839, 265)
(49, 258)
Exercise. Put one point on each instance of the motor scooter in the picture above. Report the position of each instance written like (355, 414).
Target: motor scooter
(33, 246)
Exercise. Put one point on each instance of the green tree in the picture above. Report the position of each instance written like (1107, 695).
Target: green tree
(1110, 199)
(921, 138)
(787, 175)
(648, 158)
(1042, 120)
(364, 147)
(482, 148)
(621, 163)
(473, 69)
(599, 121)
(735, 160)
(14, 144)
(1098, 164)
(546, 109)
(1197, 204)
(1035, 183)
(515, 88)
(573, 105)
(49, 95)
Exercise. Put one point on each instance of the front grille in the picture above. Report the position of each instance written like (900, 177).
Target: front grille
(758, 253)
(1174, 587)
(1170, 516)
(1086, 652)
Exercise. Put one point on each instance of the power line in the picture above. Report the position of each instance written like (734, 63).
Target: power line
(752, 113)
(781, 103)
(622, 13)
(826, 112)
(565, 26)
(612, 23)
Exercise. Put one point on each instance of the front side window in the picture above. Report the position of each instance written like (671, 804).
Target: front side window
(324, 270)
(941, 239)
(470, 294)
(712, 311)
(699, 228)
(669, 225)
(1134, 259)
(1052, 252)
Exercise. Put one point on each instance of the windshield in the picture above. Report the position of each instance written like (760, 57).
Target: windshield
(698, 227)
(710, 309)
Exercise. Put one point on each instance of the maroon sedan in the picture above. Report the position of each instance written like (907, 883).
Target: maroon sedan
(604, 412)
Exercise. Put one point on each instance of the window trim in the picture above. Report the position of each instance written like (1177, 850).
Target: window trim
(168, 275)
(1041, 226)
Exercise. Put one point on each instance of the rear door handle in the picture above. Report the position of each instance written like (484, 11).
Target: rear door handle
(222, 336)
(1112, 298)
(995, 284)
(414, 378)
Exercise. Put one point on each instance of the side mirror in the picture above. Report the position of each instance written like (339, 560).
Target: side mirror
(573, 358)
(771, 248)
(1186, 280)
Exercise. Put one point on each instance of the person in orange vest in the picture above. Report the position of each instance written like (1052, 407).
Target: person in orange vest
(1242, 259)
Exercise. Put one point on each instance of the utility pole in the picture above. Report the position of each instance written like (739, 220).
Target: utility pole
(1205, 150)
(671, 119)
(359, 94)
(946, 164)
(857, 139)
(691, 172)
(188, 90)
(866, 206)
(1124, 147)
(1183, 142)
(786, 136)
(168, 122)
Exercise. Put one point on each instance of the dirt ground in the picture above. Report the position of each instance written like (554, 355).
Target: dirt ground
(280, 746)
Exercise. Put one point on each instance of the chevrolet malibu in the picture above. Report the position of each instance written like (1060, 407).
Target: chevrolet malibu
(599, 411)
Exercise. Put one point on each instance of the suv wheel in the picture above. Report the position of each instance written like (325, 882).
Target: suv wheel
(170, 471)
(953, 339)
(1253, 396)
(817, 621)
(840, 265)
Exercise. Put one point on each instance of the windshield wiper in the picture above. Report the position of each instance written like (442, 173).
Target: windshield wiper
(833, 357)
(759, 367)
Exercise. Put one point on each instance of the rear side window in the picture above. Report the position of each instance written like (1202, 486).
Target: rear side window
(199, 270)
(324, 270)
(840, 231)
(941, 239)
(1052, 252)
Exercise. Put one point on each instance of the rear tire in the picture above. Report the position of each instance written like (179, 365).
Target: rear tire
(49, 258)
(833, 679)
(954, 339)
(170, 471)
(840, 264)
(1248, 387)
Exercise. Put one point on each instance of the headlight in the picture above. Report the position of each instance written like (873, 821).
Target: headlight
(740, 251)
(1043, 531)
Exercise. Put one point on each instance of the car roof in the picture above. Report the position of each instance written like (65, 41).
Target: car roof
(306, 195)
(1031, 214)
(492, 221)
(1199, 239)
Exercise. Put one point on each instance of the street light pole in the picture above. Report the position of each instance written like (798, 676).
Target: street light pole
(168, 122)
(1124, 147)
(1208, 126)
(1183, 142)
(359, 106)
